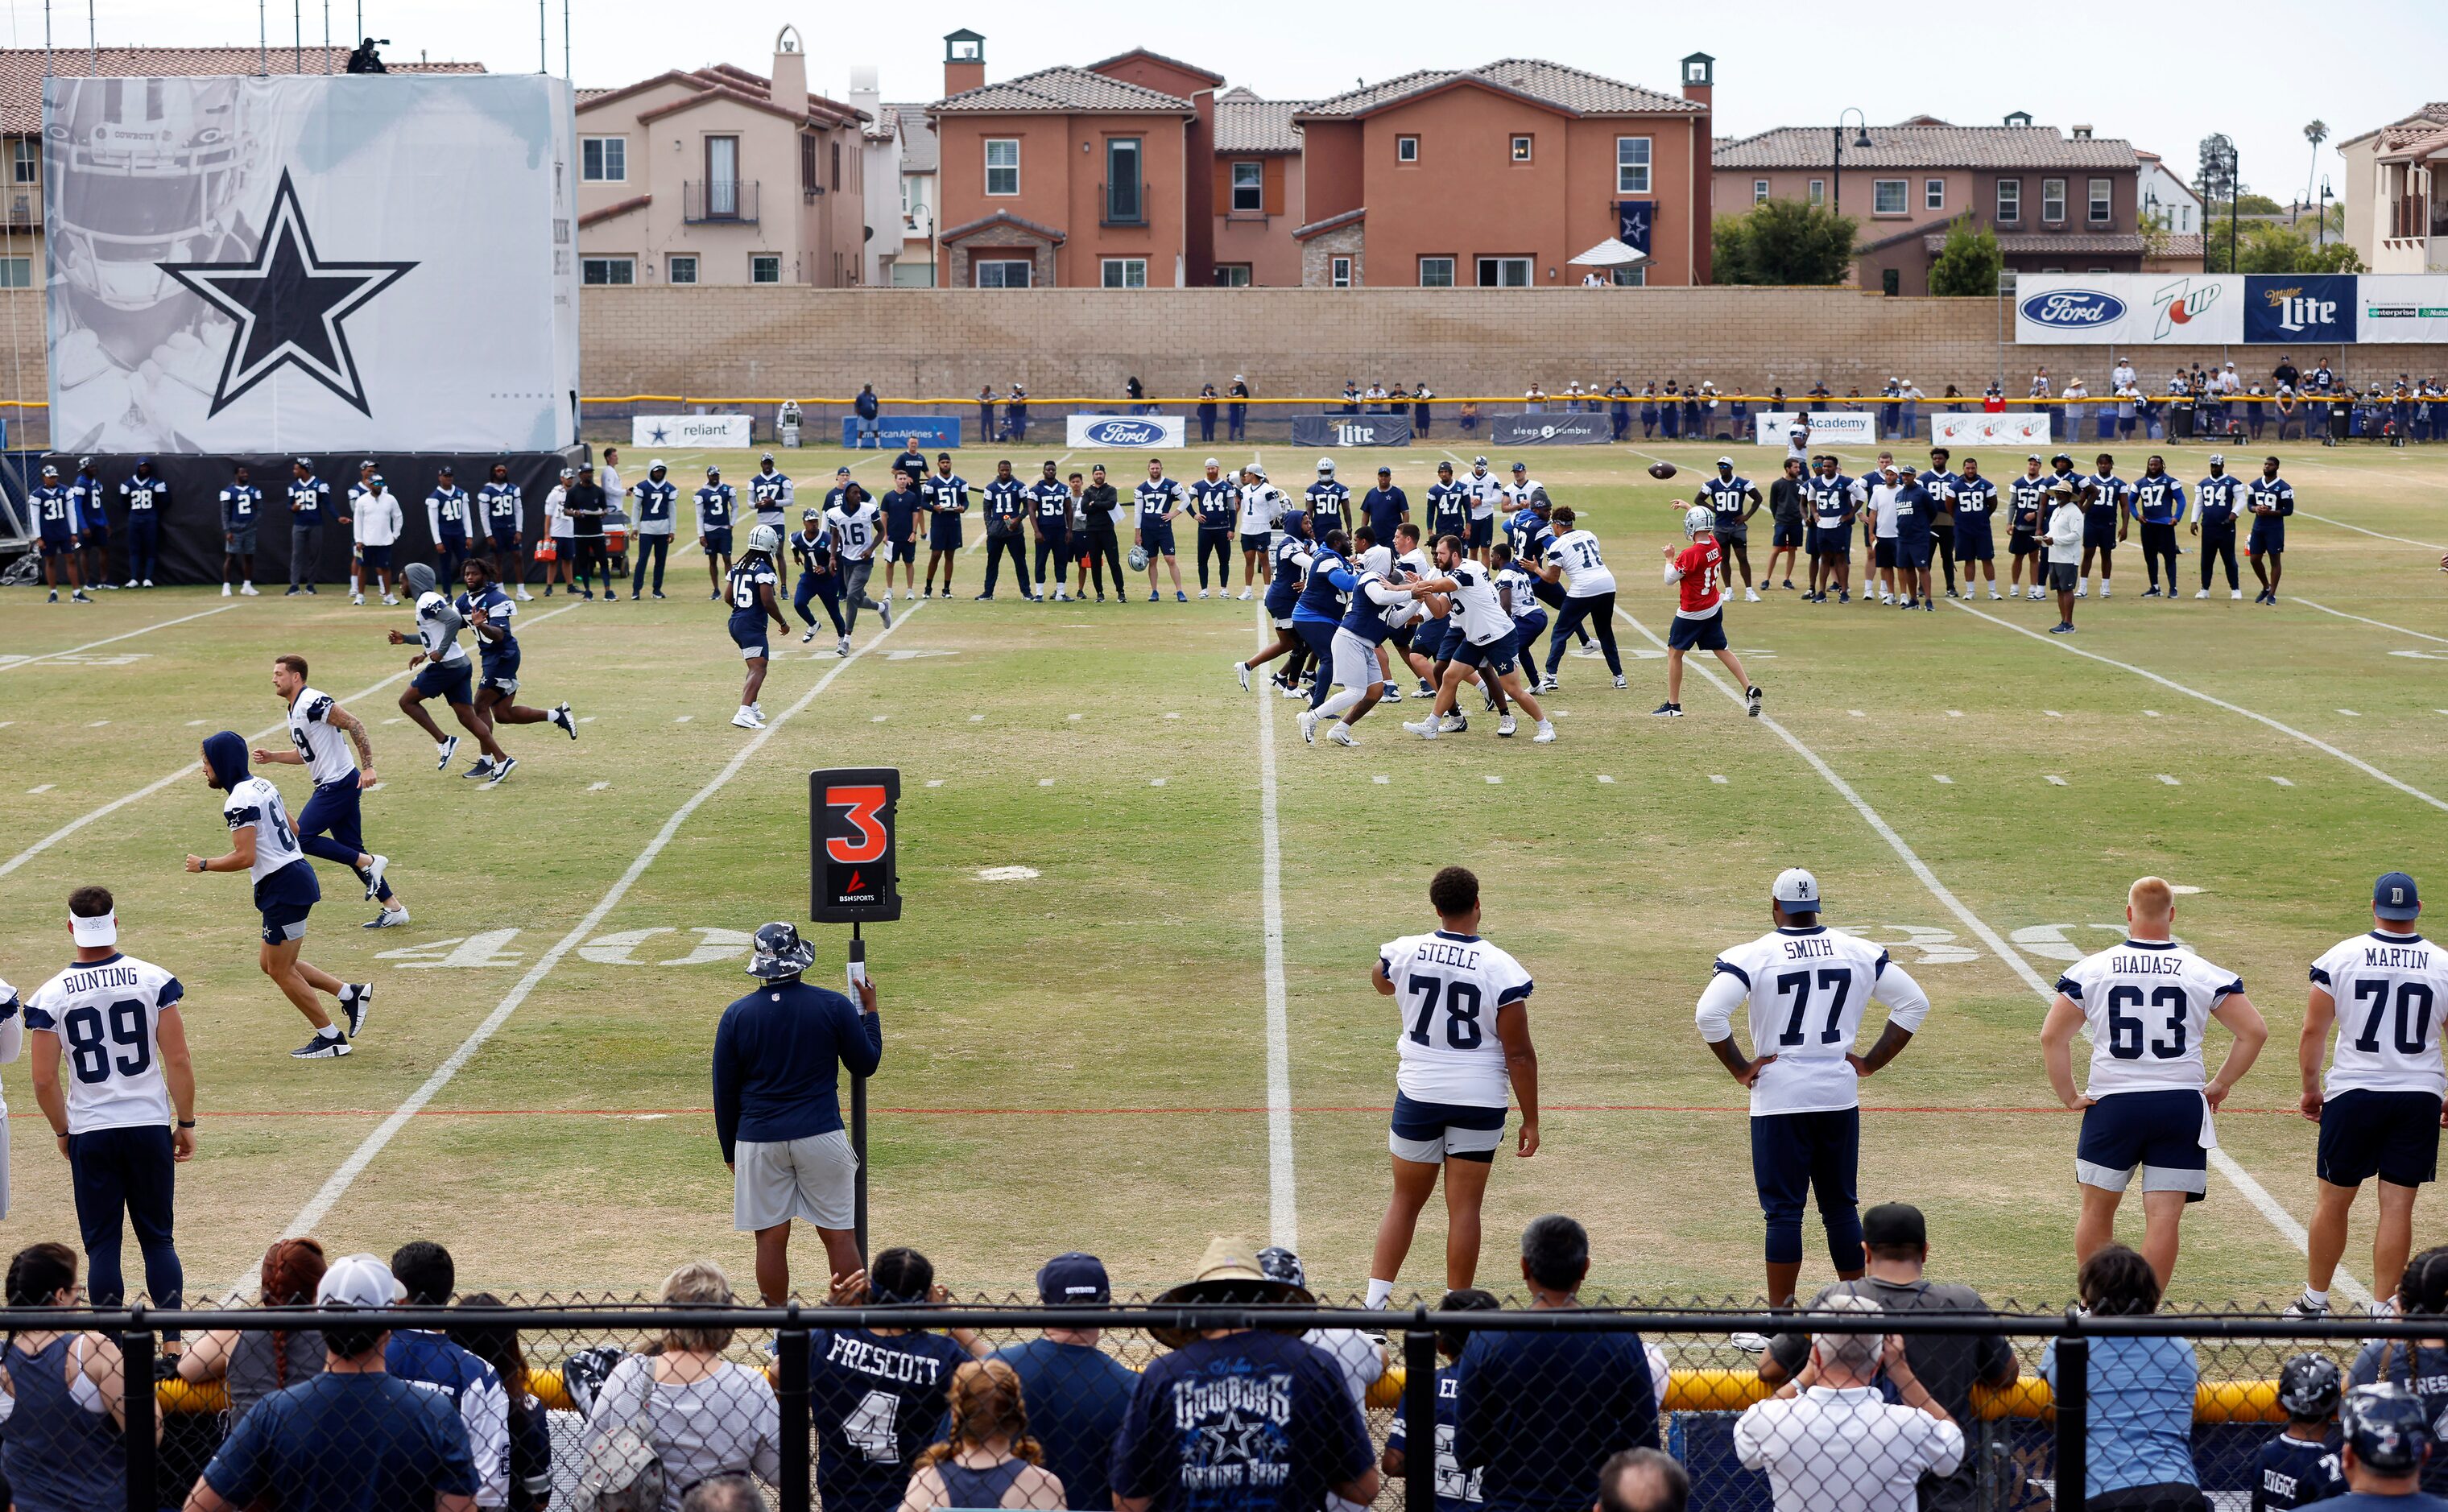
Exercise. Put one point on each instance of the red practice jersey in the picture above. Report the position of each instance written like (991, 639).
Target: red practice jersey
(1703, 567)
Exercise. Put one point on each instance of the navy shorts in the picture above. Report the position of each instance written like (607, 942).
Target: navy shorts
(1793, 1152)
(1496, 656)
(1428, 1133)
(377, 558)
(98, 533)
(749, 636)
(2063, 576)
(1697, 635)
(1789, 535)
(285, 899)
(2098, 531)
(1434, 639)
(1975, 545)
(56, 545)
(718, 541)
(1253, 540)
(1526, 631)
(2267, 536)
(1885, 553)
(943, 532)
(1912, 550)
(500, 671)
(1482, 532)
(2393, 1136)
(2159, 1131)
(2023, 544)
(446, 681)
(1155, 537)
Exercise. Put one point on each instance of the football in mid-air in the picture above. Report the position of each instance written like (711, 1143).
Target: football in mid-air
(1661, 470)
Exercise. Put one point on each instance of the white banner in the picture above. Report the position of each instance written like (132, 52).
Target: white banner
(290, 263)
(677, 431)
(2128, 309)
(1828, 427)
(2411, 307)
(1135, 432)
(2011, 428)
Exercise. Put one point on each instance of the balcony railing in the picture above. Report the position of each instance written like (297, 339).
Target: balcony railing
(720, 202)
(21, 209)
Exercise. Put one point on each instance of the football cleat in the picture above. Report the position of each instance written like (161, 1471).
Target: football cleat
(562, 717)
(449, 747)
(387, 919)
(356, 1000)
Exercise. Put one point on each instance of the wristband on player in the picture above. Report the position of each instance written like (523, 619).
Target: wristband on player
(186, 1123)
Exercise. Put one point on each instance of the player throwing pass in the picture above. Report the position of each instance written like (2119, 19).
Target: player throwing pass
(330, 827)
(1805, 987)
(752, 596)
(1465, 1039)
(2380, 1108)
(265, 845)
(1700, 612)
(2146, 1002)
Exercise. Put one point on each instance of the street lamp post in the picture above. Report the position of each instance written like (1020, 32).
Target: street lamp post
(1836, 137)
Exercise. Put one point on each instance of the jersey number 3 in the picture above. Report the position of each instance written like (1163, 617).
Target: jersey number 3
(1462, 1012)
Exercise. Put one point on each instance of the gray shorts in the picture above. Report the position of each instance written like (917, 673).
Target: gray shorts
(815, 1179)
(2062, 576)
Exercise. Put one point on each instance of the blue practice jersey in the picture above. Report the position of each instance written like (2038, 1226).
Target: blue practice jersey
(715, 502)
(2155, 501)
(2217, 499)
(1321, 596)
(2272, 494)
(2292, 1472)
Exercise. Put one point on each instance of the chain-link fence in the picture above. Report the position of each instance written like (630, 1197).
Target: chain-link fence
(589, 1403)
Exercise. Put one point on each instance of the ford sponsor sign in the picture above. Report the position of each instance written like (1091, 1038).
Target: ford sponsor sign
(2074, 309)
(1133, 432)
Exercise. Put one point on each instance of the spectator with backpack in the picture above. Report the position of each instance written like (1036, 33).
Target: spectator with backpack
(664, 1421)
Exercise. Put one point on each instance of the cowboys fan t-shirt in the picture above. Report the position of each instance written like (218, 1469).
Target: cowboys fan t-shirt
(877, 1402)
(1248, 1422)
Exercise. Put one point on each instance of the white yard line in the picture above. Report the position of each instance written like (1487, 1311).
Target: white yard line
(320, 1205)
(2382, 625)
(2315, 742)
(1283, 1220)
(2427, 545)
(11, 666)
(2244, 1181)
(191, 768)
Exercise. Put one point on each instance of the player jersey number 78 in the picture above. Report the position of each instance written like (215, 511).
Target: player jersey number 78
(1450, 986)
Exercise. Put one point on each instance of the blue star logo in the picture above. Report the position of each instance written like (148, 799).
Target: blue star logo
(655, 437)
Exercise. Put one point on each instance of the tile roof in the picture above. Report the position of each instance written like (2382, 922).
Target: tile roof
(919, 148)
(22, 70)
(1551, 83)
(723, 81)
(1157, 57)
(618, 207)
(822, 110)
(1928, 148)
(2191, 246)
(1244, 123)
(1321, 227)
(2435, 113)
(2033, 243)
(1061, 89)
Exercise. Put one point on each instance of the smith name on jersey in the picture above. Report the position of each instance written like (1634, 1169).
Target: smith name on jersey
(1805, 989)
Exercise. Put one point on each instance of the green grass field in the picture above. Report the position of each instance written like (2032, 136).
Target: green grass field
(1081, 1058)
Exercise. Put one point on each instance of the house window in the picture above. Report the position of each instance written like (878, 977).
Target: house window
(1631, 277)
(1632, 165)
(680, 268)
(29, 166)
(1003, 273)
(1818, 191)
(601, 160)
(1759, 191)
(2010, 200)
(16, 272)
(1002, 167)
(2103, 200)
(765, 267)
(1886, 197)
(2053, 201)
(607, 270)
(1339, 272)
(1521, 149)
(1435, 273)
(1124, 204)
(723, 178)
(1891, 281)
(1406, 149)
(808, 185)
(1125, 273)
(1248, 188)
(1231, 275)
(834, 181)
(1504, 273)
(1933, 194)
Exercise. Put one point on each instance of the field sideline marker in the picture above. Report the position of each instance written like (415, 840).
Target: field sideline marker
(2379, 625)
(2317, 744)
(2243, 1180)
(151, 788)
(11, 666)
(1283, 1220)
(320, 1205)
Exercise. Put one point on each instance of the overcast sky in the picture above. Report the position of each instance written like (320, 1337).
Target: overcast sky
(2161, 75)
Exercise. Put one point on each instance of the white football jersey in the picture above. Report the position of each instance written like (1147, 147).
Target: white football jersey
(440, 635)
(2144, 1003)
(2391, 992)
(1449, 987)
(855, 531)
(1805, 989)
(326, 750)
(105, 1013)
(1486, 493)
(1483, 618)
(1261, 509)
(1586, 574)
(256, 804)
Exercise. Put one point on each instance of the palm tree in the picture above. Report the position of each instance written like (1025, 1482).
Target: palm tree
(2316, 133)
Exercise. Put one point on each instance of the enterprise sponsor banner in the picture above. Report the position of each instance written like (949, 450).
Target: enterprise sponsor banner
(1131, 431)
(2011, 428)
(1828, 427)
(2413, 307)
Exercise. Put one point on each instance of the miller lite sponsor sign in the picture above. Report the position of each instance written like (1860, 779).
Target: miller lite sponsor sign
(2299, 307)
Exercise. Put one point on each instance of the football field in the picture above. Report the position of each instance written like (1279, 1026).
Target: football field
(1128, 1007)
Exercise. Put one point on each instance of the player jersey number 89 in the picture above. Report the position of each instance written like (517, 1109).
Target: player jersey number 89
(90, 1040)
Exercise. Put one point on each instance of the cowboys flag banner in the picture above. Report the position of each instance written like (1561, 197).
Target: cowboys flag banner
(310, 263)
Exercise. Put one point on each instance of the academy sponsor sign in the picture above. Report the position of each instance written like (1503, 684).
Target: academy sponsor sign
(1133, 432)
(1828, 427)
(288, 264)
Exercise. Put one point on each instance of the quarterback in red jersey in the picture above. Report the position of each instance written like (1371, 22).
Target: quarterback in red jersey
(1700, 614)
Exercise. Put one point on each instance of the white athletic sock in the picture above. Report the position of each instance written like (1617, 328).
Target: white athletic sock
(1335, 706)
(2316, 1298)
(1378, 1292)
(329, 1032)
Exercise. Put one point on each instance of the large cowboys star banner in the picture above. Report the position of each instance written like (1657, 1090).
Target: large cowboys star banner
(310, 263)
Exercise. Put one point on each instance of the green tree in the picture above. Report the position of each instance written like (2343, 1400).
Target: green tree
(1782, 241)
(1968, 264)
(2277, 249)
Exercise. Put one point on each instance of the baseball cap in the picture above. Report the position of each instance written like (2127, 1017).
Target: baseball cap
(1385, 472)
(2394, 899)
(1894, 1223)
(841, 472)
(1521, 467)
(358, 1281)
(1725, 461)
(1074, 1277)
(1797, 890)
(2032, 457)
(1211, 462)
(2387, 1427)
